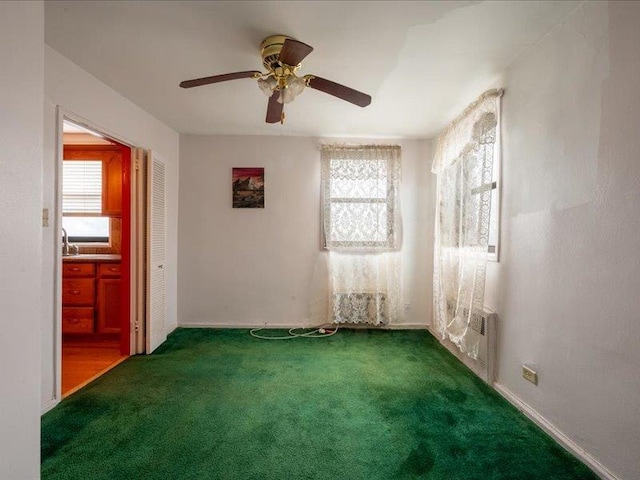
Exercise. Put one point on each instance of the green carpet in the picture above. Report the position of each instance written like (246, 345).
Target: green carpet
(363, 404)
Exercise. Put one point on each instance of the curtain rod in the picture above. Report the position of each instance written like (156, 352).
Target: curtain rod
(358, 146)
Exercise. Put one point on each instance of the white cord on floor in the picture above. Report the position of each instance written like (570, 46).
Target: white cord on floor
(318, 332)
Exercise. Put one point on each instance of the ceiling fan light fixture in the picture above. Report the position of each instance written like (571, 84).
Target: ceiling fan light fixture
(286, 96)
(267, 85)
(296, 85)
(293, 87)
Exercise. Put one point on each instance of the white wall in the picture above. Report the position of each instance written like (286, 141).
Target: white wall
(569, 272)
(242, 267)
(21, 93)
(75, 90)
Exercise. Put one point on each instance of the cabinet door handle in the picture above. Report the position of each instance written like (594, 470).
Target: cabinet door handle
(114, 269)
(75, 269)
(73, 320)
(74, 292)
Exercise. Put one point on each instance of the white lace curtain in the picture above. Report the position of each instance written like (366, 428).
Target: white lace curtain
(361, 230)
(464, 165)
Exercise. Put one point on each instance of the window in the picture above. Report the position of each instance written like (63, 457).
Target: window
(87, 229)
(492, 185)
(361, 229)
(82, 187)
(494, 223)
(360, 188)
(466, 220)
(492, 247)
(494, 213)
(82, 201)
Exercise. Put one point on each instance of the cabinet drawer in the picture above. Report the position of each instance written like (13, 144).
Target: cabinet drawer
(109, 270)
(80, 291)
(78, 270)
(77, 320)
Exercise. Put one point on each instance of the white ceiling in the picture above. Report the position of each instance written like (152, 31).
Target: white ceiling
(422, 62)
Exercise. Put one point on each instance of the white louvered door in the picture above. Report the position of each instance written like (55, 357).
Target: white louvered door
(156, 332)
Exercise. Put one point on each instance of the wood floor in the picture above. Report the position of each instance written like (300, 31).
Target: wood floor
(85, 358)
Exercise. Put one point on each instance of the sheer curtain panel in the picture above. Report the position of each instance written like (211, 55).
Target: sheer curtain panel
(362, 232)
(464, 164)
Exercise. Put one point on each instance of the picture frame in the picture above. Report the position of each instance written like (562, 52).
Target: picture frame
(247, 187)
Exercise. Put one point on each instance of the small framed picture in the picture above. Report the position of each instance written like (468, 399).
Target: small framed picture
(248, 187)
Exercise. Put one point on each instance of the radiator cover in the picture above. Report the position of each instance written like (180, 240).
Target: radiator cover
(371, 308)
(485, 326)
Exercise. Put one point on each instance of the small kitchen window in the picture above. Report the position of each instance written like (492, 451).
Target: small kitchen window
(82, 202)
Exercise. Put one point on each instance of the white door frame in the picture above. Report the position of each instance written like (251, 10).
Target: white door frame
(62, 115)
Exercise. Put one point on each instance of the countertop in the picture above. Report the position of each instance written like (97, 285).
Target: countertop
(92, 257)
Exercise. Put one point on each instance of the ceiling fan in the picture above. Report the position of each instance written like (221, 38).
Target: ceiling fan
(282, 57)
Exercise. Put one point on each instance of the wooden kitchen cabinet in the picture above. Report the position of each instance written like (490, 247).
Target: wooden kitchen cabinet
(111, 157)
(78, 297)
(91, 297)
(109, 298)
(112, 185)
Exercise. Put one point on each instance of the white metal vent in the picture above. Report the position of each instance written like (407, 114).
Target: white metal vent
(479, 323)
(485, 327)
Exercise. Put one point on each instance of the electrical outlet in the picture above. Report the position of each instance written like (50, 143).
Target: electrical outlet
(45, 217)
(407, 307)
(529, 374)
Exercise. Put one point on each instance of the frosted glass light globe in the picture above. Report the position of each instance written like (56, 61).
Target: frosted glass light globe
(267, 85)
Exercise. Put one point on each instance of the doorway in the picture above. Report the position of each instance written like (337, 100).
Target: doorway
(96, 238)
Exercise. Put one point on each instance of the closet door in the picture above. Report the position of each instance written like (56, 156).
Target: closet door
(156, 236)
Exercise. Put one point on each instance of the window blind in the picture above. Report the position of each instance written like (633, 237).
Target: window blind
(82, 187)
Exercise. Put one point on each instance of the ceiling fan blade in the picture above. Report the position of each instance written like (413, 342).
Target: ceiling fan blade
(293, 52)
(274, 110)
(340, 91)
(196, 82)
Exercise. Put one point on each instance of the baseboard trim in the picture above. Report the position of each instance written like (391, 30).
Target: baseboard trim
(49, 406)
(408, 326)
(401, 326)
(235, 325)
(171, 330)
(554, 432)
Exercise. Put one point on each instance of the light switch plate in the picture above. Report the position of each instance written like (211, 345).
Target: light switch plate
(529, 374)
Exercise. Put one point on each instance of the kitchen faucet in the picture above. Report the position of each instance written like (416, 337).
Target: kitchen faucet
(65, 242)
(68, 248)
